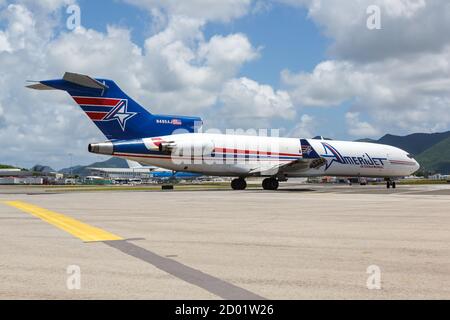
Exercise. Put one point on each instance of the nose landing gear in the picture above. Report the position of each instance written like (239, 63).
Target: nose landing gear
(390, 183)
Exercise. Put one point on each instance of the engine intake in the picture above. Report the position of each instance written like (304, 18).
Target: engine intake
(187, 148)
(167, 147)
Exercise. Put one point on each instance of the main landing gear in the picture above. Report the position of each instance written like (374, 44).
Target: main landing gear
(270, 184)
(390, 183)
(239, 184)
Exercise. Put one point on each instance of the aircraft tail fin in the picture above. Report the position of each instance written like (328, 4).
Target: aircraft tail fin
(117, 115)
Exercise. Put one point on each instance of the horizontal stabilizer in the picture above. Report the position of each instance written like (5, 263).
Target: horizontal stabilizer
(68, 81)
(40, 86)
(84, 81)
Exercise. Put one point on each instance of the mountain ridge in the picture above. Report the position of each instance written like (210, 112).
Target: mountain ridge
(79, 170)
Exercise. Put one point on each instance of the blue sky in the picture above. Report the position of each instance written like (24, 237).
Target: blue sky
(285, 36)
(99, 13)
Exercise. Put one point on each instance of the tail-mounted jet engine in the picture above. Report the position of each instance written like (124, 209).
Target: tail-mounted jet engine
(182, 148)
(187, 148)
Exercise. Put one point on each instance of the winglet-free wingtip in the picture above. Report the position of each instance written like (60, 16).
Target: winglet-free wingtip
(39, 86)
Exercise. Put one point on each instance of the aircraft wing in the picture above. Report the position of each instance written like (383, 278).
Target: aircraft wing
(310, 160)
(297, 165)
(134, 164)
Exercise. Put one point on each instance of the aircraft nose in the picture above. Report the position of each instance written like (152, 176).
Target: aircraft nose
(417, 166)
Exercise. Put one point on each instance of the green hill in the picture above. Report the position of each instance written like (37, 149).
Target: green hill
(4, 166)
(437, 158)
(416, 143)
(431, 150)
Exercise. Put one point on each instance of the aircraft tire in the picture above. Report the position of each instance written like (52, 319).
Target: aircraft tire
(270, 184)
(239, 184)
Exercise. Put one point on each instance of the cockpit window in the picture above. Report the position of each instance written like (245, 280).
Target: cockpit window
(409, 156)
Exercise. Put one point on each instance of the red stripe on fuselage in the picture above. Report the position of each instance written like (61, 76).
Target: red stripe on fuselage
(96, 101)
(132, 155)
(224, 150)
(408, 163)
(97, 116)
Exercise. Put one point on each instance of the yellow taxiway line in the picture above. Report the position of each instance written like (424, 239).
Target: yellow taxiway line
(76, 228)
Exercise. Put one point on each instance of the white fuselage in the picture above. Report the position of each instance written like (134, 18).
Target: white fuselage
(237, 155)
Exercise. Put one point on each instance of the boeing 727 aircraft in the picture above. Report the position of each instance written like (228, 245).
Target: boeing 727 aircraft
(175, 143)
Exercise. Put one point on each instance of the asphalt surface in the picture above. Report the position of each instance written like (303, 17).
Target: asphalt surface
(301, 242)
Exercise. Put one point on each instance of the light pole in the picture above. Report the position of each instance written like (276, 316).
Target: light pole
(71, 169)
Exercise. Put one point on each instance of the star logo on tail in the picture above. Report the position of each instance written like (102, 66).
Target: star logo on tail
(120, 114)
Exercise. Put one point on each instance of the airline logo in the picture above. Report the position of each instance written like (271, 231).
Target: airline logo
(365, 161)
(306, 149)
(106, 109)
(120, 114)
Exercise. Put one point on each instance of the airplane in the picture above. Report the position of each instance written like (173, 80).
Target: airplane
(177, 143)
(135, 172)
(174, 175)
(163, 174)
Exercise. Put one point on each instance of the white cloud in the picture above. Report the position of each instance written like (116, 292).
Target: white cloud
(47, 6)
(248, 103)
(34, 128)
(395, 95)
(358, 128)
(4, 42)
(228, 53)
(404, 8)
(20, 27)
(345, 22)
(96, 53)
(398, 78)
(305, 128)
(330, 84)
(187, 72)
(206, 10)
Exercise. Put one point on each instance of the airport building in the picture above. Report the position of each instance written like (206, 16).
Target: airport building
(439, 177)
(21, 180)
(142, 175)
(22, 177)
